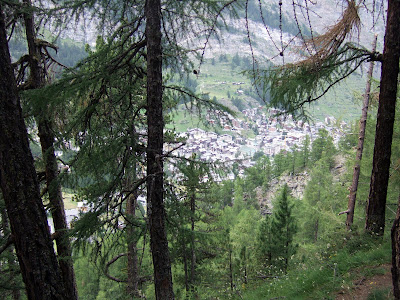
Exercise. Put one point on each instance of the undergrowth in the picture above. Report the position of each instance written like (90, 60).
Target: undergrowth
(327, 269)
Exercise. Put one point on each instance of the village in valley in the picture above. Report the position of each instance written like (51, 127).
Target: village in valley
(273, 133)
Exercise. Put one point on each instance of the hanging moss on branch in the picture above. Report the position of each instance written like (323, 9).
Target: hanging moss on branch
(294, 85)
(330, 60)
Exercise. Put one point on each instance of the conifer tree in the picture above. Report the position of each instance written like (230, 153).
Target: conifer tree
(264, 242)
(375, 219)
(360, 146)
(323, 146)
(36, 80)
(331, 58)
(283, 229)
(20, 189)
(317, 196)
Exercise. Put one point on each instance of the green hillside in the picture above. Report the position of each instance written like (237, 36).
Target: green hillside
(222, 78)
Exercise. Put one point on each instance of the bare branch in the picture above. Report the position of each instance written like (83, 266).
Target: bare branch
(109, 264)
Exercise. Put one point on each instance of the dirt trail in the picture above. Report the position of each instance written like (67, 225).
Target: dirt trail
(364, 286)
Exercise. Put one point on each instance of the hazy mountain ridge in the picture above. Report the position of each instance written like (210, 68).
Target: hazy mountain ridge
(267, 43)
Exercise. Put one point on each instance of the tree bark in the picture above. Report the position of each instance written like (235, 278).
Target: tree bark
(192, 241)
(155, 181)
(360, 146)
(375, 219)
(15, 292)
(395, 236)
(20, 187)
(46, 135)
(230, 266)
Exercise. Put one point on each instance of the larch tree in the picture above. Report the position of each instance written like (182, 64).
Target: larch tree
(283, 228)
(375, 219)
(332, 58)
(167, 28)
(37, 79)
(360, 146)
(20, 188)
(155, 143)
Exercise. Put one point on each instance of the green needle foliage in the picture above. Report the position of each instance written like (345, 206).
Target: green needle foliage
(283, 229)
(293, 85)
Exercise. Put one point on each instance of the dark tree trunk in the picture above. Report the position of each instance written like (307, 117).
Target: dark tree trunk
(230, 266)
(46, 135)
(185, 266)
(15, 292)
(28, 221)
(155, 182)
(360, 146)
(192, 241)
(395, 235)
(375, 219)
(64, 250)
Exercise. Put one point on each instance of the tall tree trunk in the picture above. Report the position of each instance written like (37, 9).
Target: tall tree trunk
(15, 292)
(20, 187)
(395, 235)
(375, 219)
(230, 265)
(155, 181)
(64, 250)
(192, 241)
(185, 266)
(46, 135)
(360, 146)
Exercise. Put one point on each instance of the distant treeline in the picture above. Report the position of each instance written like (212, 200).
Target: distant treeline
(68, 53)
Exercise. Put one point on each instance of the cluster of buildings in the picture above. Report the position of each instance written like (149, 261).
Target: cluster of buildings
(272, 134)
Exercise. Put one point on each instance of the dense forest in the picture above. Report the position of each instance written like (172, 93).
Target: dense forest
(94, 127)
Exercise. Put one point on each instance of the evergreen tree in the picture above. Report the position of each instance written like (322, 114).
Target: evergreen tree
(191, 212)
(317, 201)
(38, 69)
(243, 236)
(283, 229)
(323, 146)
(154, 153)
(375, 220)
(264, 242)
(20, 188)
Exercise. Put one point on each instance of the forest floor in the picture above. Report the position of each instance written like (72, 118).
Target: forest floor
(378, 286)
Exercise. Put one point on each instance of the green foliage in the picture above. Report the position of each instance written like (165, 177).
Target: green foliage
(243, 236)
(283, 228)
(257, 178)
(350, 140)
(294, 85)
(282, 163)
(238, 103)
(264, 242)
(380, 294)
(317, 202)
(319, 277)
(87, 278)
(323, 147)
